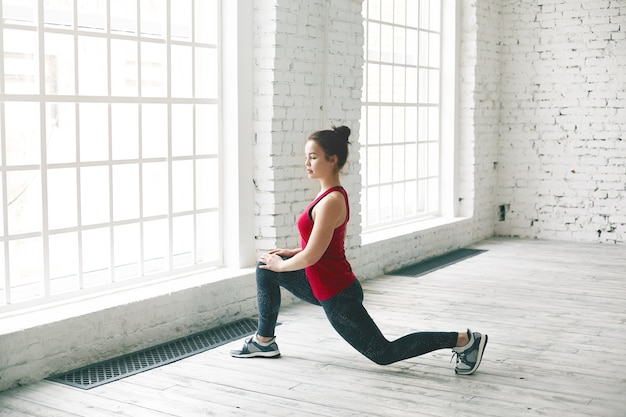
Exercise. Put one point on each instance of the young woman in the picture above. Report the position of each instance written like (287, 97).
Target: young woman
(319, 273)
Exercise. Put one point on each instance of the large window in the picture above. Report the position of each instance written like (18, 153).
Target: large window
(109, 142)
(401, 114)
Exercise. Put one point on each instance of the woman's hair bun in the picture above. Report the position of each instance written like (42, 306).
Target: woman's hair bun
(343, 132)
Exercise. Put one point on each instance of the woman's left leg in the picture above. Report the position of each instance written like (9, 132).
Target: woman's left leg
(348, 316)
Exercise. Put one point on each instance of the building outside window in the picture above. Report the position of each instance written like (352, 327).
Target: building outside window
(109, 142)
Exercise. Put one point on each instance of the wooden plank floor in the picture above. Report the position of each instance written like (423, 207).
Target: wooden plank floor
(555, 314)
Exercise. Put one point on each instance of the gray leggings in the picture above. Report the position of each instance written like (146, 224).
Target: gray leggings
(347, 315)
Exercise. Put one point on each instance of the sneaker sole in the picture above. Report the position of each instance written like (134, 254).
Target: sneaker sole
(273, 354)
(481, 350)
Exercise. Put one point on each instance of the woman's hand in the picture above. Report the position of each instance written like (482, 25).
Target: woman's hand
(284, 253)
(271, 261)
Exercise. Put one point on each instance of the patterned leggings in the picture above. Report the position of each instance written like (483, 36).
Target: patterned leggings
(347, 315)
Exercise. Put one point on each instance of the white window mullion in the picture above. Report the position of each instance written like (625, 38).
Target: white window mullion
(5, 216)
(43, 153)
(170, 191)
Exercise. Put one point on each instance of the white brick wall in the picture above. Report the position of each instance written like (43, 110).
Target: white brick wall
(562, 164)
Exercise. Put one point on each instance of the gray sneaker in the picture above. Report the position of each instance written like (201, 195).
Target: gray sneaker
(468, 357)
(252, 349)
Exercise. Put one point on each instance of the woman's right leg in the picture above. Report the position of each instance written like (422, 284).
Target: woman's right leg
(268, 295)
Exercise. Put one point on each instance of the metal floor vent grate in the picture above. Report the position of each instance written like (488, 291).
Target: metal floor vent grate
(104, 372)
(437, 262)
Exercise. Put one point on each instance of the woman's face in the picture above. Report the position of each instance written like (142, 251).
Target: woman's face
(318, 165)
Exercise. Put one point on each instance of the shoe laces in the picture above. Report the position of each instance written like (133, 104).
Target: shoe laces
(460, 357)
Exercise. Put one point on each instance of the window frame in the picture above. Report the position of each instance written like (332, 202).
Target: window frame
(446, 202)
(236, 12)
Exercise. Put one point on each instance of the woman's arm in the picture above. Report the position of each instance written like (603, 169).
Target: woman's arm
(328, 214)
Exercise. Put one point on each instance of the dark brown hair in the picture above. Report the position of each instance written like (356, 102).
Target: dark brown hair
(334, 142)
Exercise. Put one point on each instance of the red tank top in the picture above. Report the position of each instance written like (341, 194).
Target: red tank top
(332, 273)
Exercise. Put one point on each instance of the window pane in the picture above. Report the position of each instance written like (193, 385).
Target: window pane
(153, 69)
(398, 125)
(373, 41)
(207, 190)
(154, 130)
(63, 263)
(182, 129)
(435, 15)
(60, 66)
(123, 16)
(22, 11)
(411, 124)
(155, 186)
(399, 45)
(94, 132)
(207, 129)
(58, 12)
(62, 204)
(386, 164)
(410, 155)
(206, 73)
(24, 201)
(92, 66)
(411, 85)
(386, 122)
(386, 43)
(410, 198)
(183, 241)
(181, 71)
(155, 246)
(399, 84)
(205, 24)
(22, 133)
(373, 165)
(208, 229)
(433, 159)
(61, 131)
(373, 125)
(374, 9)
(96, 255)
(424, 14)
(21, 73)
(180, 20)
(26, 269)
(94, 186)
(373, 82)
(422, 163)
(125, 192)
(433, 123)
(422, 124)
(124, 81)
(91, 14)
(126, 246)
(153, 18)
(398, 201)
(125, 131)
(433, 194)
(398, 163)
(411, 47)
(182, 186)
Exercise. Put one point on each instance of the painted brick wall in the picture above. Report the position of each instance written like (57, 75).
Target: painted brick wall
(562, 165)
